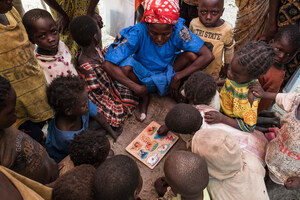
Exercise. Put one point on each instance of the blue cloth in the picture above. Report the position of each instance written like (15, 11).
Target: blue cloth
(57, 141)
(151, 63)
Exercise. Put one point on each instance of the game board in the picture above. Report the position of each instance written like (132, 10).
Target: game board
(149, 148)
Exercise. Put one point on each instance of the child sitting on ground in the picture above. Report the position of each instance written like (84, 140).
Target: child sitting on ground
(283, 153)
(200, 89)
(68, 97)
(212, 29)
(237, 103)
(18, 151)
(113, 99)
(87, 147)
(234, 174)
(186, 177)
(118, 178)
(19, 66)
(286, 45)
(76, 184)
(52, 54)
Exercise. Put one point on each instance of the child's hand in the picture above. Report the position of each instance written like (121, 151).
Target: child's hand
(161, 186)
(213, 117)
(292, 183)
(163, 130)
(257, 90)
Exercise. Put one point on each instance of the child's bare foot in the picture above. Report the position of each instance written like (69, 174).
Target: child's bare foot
(115, 135)
(161, 186)
(163, 130)
(141, 112)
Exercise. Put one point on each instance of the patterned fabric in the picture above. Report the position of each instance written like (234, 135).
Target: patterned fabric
(289, 13)
(250, 21)
(235, 104)
(152, 64)
(283, 152)
(59, 64)
(20, 67)
(113, 99)
(221, 39)
(161, 11)
(73, 8)
(270, 82)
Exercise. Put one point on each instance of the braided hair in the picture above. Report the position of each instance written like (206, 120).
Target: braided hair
(256, 57)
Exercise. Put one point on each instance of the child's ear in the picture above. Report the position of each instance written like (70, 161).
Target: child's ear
(223, 11)
(271, 41)
(68, 111)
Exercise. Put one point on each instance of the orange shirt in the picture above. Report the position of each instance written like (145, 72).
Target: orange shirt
(270, 82)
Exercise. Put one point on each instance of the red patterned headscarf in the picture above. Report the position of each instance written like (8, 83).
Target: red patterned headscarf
(161, 11)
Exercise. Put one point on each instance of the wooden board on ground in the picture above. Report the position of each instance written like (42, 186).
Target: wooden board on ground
(149, 148)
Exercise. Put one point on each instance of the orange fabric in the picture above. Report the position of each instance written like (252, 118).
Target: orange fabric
(270, 82)
(137, 4)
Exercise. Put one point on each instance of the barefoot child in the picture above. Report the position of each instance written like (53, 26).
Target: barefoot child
(283, 152)
(237, 103)
(212, 29)
(286, 45)
(68, 97)
(118, 178)
(147, 58)
(18, 151)
(113, 99)
(52, 54)
(186, 177)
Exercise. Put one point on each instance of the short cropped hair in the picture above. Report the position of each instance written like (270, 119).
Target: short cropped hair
(186, 172)
(116, 179)
(256, 57)
(63, 91)
(83, 29)
(76, 184)
(183, 118)
(291, 34)
(32, 16)
(5, 89)
(89, 147)
(200, 88)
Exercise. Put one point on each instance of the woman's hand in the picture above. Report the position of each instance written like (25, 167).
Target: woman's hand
(292, 183)
(62, 22)
(97, 18)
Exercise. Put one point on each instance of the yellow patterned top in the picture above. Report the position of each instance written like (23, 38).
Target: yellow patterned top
(235, 104)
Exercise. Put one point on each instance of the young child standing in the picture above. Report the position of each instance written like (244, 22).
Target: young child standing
(113, 99)
(286, 45)
(186, 177)
(52, 54)
(18, 65)
(212, 29)
(283, 153)
(68, 97)
(238, 103)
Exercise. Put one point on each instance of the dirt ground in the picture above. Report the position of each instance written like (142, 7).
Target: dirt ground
(158, 108)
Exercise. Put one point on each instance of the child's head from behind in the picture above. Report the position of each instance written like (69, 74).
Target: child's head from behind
(210, 12)
(7, 104)
(250, 62)
(286, 44)
(118, 178)
(5, 6)
(183, 118)
(186, 173)
(200, 88)
(89, 147)
(42, 30)
(85, 31)
(67, 95)
(76, 184)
